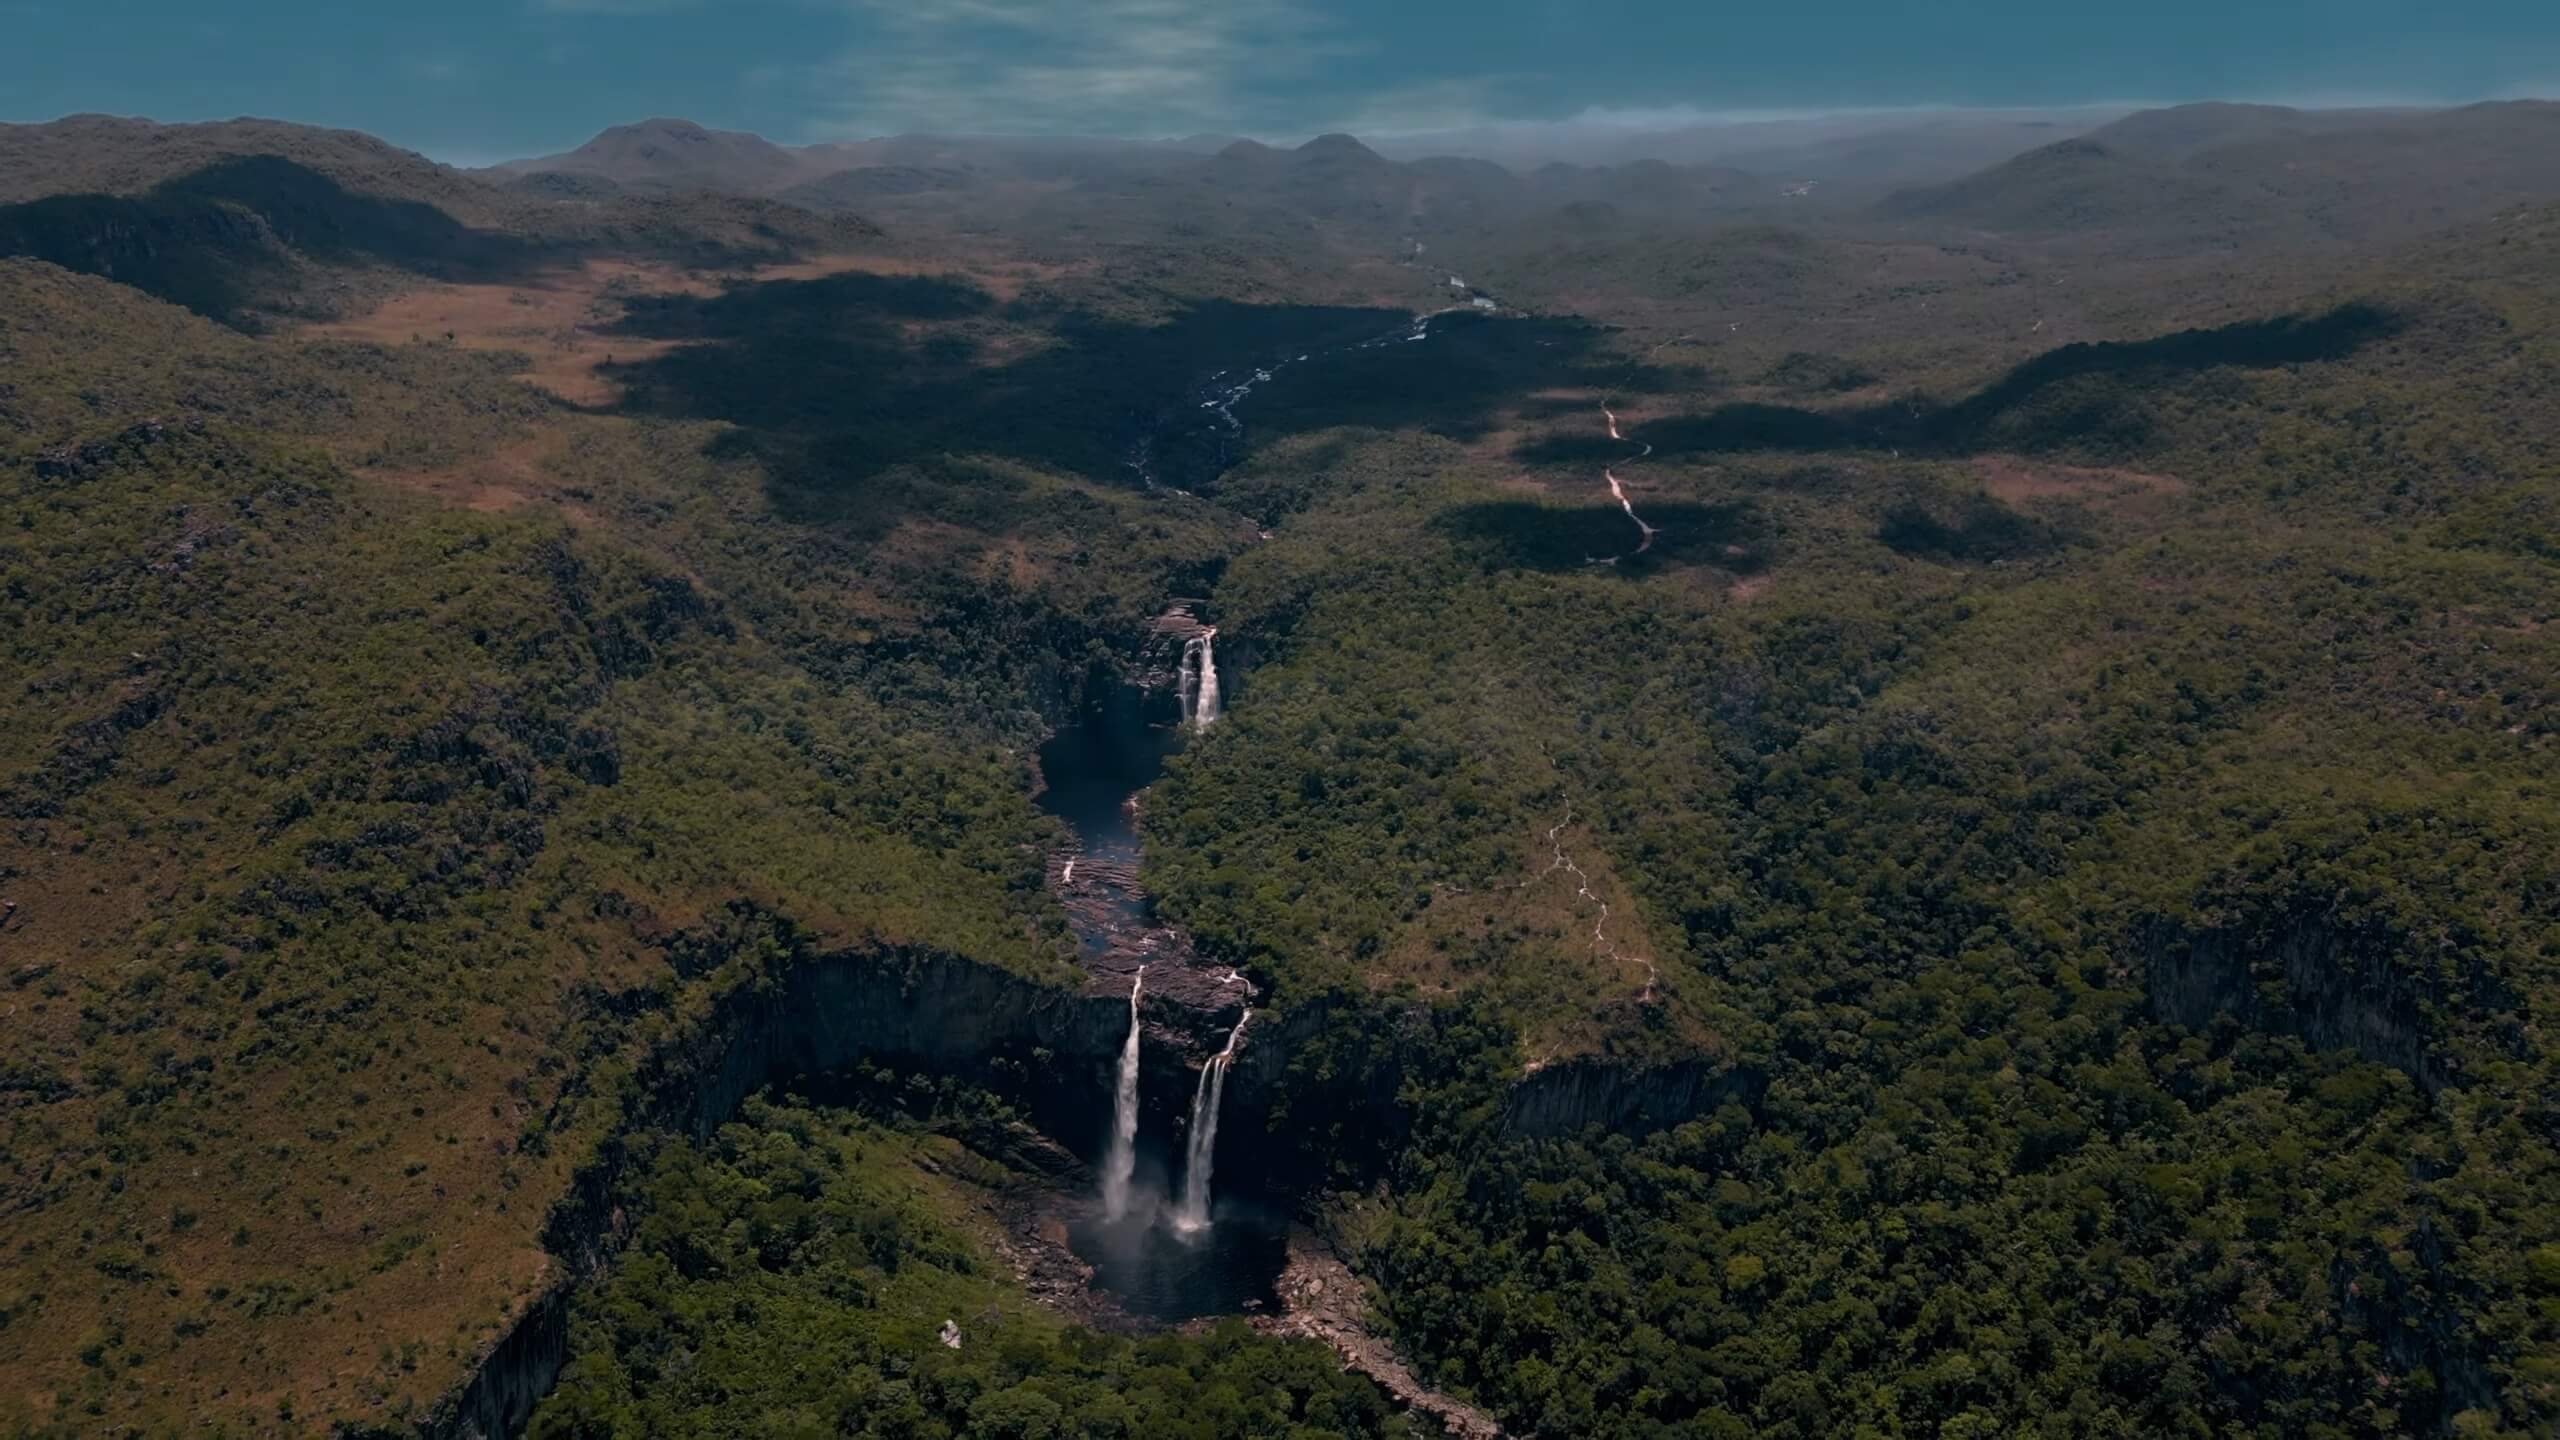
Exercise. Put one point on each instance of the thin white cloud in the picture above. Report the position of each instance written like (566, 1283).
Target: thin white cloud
(1457, 103)
(613, 7)
(1134, 66)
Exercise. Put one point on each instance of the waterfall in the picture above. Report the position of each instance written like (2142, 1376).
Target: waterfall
(1187, 688)
(1193, 1213)
(1120, 1163)
(1200, 679)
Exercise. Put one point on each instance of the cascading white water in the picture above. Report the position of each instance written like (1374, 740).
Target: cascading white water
(1192, 1214)
(1207, 709)
(1200, 679)
(1120, 1163)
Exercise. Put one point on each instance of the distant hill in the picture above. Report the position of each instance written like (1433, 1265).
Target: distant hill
(254, 219)
(866, 185)
(114, 155)
(2179, 131)
(675, 155)
(2254, 174)
(2079, 184)
(1329, 177)
(1083, 190)
(1881, 148)
(1339, 179)
(249, 233)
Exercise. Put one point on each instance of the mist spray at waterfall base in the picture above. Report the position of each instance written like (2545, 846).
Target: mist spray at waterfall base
(1177, 1248)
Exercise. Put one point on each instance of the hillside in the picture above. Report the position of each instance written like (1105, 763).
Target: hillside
(112, 155)
(2176, 132)
(210, 597)
(2112, 704)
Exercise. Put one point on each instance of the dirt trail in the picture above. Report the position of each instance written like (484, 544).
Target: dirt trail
(1601, 944)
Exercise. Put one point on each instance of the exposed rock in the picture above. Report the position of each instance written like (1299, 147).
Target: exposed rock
(512, 1378)
(1320, 1299)
(86, 461)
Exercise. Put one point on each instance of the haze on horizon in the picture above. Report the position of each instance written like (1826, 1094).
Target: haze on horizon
(482, 80)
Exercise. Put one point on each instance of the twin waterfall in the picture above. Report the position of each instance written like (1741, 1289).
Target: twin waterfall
(1121, 1162)
(1200, 679)
(1193, 1213)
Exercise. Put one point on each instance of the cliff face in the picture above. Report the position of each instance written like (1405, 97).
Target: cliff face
(2360, 989)
(1293, 1104)
(512, 1379)
(919, 1011)
(1563, 1098)
(2302, 976)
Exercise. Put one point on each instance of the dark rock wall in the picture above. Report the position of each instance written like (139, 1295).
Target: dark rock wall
(939, 1013)
(2333, 989)
(1575, 1094)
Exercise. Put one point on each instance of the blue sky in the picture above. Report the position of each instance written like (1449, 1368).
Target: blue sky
(474, 80)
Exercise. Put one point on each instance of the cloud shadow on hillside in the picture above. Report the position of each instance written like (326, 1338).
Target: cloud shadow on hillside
(224, 239)
(2075, 393)
(837, 381)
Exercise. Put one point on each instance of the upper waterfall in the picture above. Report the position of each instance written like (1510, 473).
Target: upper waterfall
(1200, 700)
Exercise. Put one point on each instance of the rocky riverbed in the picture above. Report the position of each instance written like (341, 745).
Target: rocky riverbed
(1320, 1299)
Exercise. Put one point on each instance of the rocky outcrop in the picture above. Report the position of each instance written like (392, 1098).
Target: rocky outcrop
(512, 1378)
(1321, 1300)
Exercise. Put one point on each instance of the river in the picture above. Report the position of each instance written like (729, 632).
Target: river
(1146, 1264)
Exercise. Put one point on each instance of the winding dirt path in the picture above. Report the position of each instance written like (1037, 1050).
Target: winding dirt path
(1601, 944)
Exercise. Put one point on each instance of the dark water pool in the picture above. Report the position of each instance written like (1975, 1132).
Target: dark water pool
(1090, 778)
(1159, 1272)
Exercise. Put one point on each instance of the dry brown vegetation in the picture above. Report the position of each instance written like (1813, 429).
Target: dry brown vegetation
(2015, 478)
(561, 320)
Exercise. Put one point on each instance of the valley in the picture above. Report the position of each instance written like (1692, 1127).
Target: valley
(954, 787)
